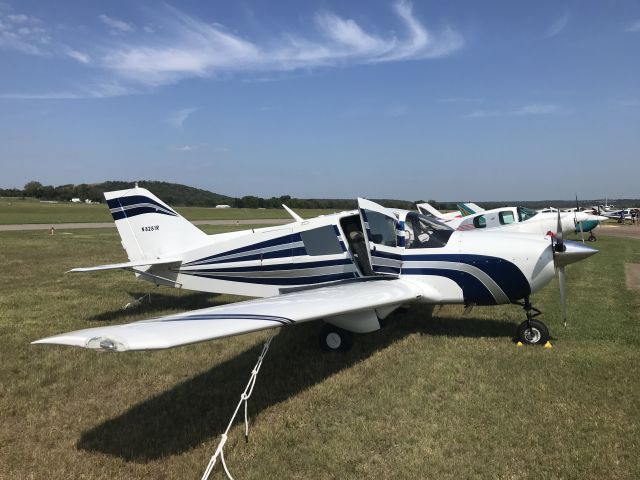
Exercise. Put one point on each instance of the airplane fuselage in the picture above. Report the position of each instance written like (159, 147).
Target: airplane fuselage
(461, 268)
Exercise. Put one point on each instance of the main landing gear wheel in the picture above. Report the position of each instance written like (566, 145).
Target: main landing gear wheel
(335, 339)
(592, 238)
(533, 332)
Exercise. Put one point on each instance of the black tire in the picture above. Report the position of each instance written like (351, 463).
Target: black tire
(537, 334)
(335, 339)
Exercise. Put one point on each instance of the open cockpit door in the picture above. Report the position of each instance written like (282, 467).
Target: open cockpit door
(379, 226)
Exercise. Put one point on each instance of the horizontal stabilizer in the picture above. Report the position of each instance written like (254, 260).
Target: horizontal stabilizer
(243, 317)
(127, 265)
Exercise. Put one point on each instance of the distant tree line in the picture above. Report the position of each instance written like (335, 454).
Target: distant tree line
(182, 195)
(324, 203)
(172, 193)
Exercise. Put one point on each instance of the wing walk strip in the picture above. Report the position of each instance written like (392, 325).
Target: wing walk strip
(227, 316)
(486, 280)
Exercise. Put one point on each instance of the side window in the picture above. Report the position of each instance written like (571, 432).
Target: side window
(506, 217)
(480, 222)
(321, 241)
(382, 228)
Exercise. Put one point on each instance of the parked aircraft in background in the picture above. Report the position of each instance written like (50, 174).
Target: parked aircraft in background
(350, 269)
(427, 209)
(519, 219)
(469, 208)
(624, 213)
(585, 221)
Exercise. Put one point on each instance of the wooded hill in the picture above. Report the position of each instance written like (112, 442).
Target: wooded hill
(171, 193)
(178, 195)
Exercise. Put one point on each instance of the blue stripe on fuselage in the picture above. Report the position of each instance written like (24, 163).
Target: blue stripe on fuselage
(506, 275)
(284, 240)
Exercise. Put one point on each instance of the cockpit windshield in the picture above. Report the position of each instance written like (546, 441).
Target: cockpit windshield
(422, 231)
(525, 213)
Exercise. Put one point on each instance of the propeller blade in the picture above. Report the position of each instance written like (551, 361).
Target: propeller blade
(575, 218)
(559, 246)
(581, 232)
(563, 293)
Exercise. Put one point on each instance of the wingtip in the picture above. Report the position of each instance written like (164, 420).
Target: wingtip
(59, 340)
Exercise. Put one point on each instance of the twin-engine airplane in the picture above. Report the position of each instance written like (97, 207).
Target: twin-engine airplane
(350, 269)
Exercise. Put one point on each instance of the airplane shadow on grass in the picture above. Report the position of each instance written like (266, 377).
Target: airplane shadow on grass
(158, 302)
(199, 409)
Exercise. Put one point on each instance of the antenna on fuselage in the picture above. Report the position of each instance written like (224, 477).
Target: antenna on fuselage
(295, 216)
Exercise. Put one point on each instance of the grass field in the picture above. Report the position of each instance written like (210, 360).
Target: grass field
(16, 211)
(443, 397)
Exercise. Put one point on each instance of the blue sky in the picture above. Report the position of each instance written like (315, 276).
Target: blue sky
(440, 100)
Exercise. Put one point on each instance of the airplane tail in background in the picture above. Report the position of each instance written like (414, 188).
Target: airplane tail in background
(469, 208)
(149, 228)
(427, 209)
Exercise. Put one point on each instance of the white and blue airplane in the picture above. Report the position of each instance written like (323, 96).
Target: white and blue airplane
(350, 269)
(517, 219)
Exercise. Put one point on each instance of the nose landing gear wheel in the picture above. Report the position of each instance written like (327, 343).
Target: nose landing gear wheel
(334, 339)
(532, 332)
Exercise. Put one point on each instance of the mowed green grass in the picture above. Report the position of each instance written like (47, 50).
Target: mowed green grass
(16, 211)
(443, 397)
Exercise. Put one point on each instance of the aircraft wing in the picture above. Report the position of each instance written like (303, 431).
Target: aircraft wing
(243, 317)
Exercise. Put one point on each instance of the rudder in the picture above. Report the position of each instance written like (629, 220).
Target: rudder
(149, 228)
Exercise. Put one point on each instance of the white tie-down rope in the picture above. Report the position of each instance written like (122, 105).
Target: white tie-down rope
(248, 390)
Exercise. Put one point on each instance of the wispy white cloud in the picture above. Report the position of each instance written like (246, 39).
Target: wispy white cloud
(115, 23)
(178, 117)
(61, 95)
(557, 26)
(79, 56)
(524, 111)
(97, 90)
(181, 46)
(538, 109)
(633, 26)
(183, 148)
(482, 114)
(22, 32)
(191, 47)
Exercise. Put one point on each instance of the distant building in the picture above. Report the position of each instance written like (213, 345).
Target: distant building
(223, 206)
(76, 200)
(87, 200)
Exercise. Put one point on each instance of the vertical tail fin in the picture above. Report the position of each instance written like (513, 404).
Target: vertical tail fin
(149, 228)
(469, 208)
(427, 209)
